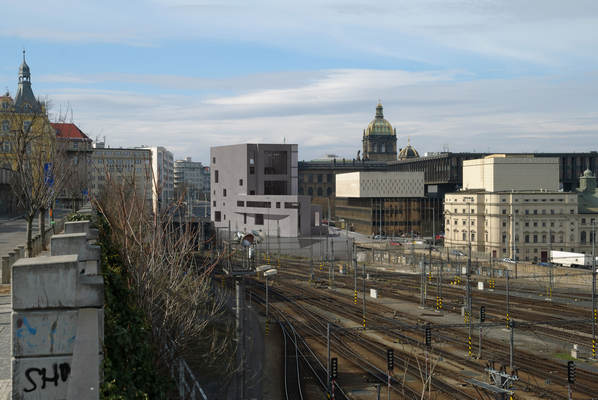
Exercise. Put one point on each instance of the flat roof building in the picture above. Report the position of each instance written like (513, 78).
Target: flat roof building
(254, 187)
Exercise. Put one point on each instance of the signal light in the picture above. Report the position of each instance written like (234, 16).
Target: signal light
(333, 368)
(390, 359)
(571, 372)
(482, 313)
(428, 336)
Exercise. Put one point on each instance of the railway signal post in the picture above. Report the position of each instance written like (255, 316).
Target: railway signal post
(333, 375)
(570, 377)
(482, 319)
(594, 310)
(390, 361)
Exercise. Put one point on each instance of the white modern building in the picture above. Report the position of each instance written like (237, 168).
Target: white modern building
(163, 171)
(254, 187)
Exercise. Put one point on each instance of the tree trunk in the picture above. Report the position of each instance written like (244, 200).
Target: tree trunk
(29, 236)
(42, 227)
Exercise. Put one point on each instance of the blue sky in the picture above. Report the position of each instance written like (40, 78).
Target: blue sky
(187, 74)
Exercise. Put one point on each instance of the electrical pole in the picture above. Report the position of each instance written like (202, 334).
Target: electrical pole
(332, 262)
(328, 357)
(354, 262)
(468, 287)
(512, 344)
(423, 282)
(311, 260)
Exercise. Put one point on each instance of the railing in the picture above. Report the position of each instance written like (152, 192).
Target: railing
(188, 385)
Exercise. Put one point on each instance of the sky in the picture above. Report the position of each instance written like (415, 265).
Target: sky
(457, 75)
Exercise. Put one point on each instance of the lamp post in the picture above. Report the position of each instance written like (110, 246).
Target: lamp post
(469, 199)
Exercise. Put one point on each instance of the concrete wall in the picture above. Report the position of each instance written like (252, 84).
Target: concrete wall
(57, 320)
(501, 173)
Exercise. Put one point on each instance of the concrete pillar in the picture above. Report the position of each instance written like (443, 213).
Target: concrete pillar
(5, 270)
(57, 328)
(76, 227)
(21, 251)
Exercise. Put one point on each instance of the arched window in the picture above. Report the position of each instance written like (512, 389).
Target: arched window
(319, 192)
(382, 148)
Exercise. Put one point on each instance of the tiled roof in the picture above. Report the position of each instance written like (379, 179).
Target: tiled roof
(69, 131)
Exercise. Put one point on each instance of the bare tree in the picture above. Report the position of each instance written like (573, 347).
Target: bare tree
(173, 287)
(38, 167)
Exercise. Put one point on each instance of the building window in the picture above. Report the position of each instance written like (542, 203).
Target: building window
(329, 192)
(216, 176)
(310, 191)
(329, 178)
(310, 178)
(240, 203)
(583, 220)
(251, 170)
(252, 192)
(319, 192)
(278, 204)
(26, 126)
(526, 239)
(472, 236)
(535, 238)
(223, 192)
(5, 126)
(543, 238)
(464, 236)
(217, 216)
(244, 218)
(319, 178)
(240, 182)
(571, 211)
(259, 219)
(504, 211)
(583, 237)
(301, 190)
(214, 203)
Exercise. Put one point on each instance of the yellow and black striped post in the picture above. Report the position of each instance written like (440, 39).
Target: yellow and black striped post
(321, 266)
(593, 348)
(469, 345)
(438, 303)
(430, 276)
(465, 317)
(355, 297)
(508, 319)
(364, 323)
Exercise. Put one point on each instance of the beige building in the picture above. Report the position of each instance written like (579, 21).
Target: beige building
(499, 172)
(132, 166)
(522, 225)
(511, 208)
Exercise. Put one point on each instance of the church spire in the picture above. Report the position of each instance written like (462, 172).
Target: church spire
(24, 98)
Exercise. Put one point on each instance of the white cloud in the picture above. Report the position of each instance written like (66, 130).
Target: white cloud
(327, 111)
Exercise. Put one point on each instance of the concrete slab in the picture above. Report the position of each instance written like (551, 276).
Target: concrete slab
(44, 378)
(45, 282)
(44, 333)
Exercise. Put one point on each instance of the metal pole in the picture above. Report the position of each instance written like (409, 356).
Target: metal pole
(267, 304)
(469, 275)
(512, 344)
(423, 282)
(508, 316)
(388, 385)
(332, 263)
(328, 357)
(354, 263)
(311, 260)
(363, 295)
(480, 341)
(594, 311)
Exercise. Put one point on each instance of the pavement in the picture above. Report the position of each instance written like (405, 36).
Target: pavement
(5, 354)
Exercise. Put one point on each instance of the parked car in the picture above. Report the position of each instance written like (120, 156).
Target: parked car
(457, 253)
(379, 237)
(508, 260)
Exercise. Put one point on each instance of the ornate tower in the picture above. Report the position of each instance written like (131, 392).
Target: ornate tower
(24, 99)
(379, 139)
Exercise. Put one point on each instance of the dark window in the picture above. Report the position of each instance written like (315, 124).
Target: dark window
(329, 178)
(583, 236)
(329, 191)
(320, 192)
(224, 192)
(213, 160)
(252, 192)
(535, 212)
(240, 203)
(319, 178)
(291, 205)
(275, 162)
(275, 187)
(278, 204)
(240, 182)
(244, 218)
(526, 238)
(259, 219)
(504, 211)
(251, 170)
(310, 191)
(216, 176)
(259, 204)
(301, 190)
(535, 238)
(217, 216)
(310, 178)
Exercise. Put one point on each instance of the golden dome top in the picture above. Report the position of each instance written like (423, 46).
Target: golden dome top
(379, 126)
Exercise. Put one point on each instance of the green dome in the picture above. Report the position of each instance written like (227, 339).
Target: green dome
(379, 126)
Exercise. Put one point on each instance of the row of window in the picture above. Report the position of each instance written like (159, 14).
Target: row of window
(319, 191)
(319, 178)
(527, 211)
(266, 204)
